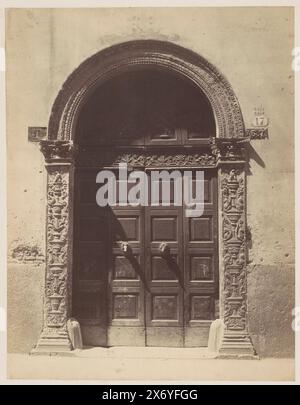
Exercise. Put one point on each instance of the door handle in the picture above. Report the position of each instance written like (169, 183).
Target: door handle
(165, 252)
(128, 253)
(126, 249)
(164, 249)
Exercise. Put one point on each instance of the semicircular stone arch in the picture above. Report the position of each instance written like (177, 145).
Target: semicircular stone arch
(138, 54)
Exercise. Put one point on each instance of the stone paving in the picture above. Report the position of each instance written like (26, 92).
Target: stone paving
(143, 364)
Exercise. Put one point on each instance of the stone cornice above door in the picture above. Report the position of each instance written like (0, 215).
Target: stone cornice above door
(211, 154)
(147, 157)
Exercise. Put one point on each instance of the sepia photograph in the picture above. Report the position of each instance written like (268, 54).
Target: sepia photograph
(150, 194)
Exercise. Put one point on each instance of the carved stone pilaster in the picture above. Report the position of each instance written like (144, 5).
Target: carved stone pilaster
(57, 302)
(236, 340)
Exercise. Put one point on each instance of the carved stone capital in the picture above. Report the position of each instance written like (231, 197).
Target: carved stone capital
(229, 150)
(55, 151)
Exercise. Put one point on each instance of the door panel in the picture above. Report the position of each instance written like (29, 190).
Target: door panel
(201, 286)
(164, 273)
(126, 320)
(91, 227)
(144, 275)
(161, 270)
(126, 323)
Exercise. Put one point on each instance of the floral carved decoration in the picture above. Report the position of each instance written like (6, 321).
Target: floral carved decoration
(234, 248)
(57, 236)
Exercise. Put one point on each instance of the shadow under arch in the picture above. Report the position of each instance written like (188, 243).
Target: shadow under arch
(124, 57)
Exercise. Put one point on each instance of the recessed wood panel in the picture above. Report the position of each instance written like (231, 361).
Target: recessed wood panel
(125, 306)
(198, 188)
(123, 268)
(87, 304)
(92, 261)
(126, 228)
(162, 269)
(164, 228)
(126, 187)
(164, 307)
(201, 307)
(201, 268)
(93, 229)
(163, 136)
(200, 229)
(206, 189)
(165, 191)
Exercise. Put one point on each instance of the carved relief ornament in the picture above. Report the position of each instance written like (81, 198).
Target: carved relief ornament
(234, 247)
(54, 150)
(54, 336)
(229, 150)
(142, 158)
(57, 248)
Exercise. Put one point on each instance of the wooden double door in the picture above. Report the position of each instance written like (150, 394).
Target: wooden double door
(145, 275)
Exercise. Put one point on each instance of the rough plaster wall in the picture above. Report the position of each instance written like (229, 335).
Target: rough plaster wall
(25, 303)
(251, 47)
(270, 303)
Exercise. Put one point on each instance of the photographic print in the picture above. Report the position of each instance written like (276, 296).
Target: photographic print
(151, 193)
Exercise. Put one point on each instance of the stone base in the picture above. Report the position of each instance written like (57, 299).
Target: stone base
(236, 345)
(53, 345)
(216, 333)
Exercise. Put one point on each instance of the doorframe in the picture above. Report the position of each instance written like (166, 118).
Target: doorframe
(227, 152)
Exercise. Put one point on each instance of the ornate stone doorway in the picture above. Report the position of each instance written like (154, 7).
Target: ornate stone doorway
(218, 147)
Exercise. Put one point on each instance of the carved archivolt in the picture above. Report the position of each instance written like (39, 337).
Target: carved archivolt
(140, 55)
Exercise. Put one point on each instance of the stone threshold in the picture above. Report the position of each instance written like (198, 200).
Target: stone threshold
(146, 364)
(146, 352)
(133, 352)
